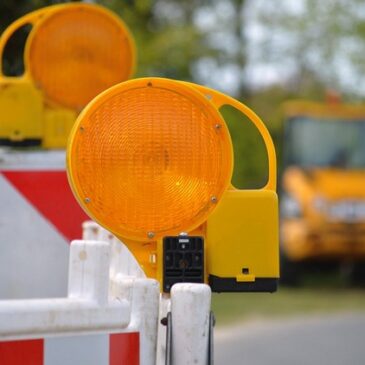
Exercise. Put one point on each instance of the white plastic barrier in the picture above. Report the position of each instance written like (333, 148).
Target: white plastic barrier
(109, 294)
(190, 315)
(122, 261)
(130, 305)
(188, 304)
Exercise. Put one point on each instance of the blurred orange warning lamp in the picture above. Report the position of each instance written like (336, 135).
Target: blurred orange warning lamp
(72, 53)
(151, 160)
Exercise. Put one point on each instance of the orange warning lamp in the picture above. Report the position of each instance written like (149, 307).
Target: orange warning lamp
(151, 160)
(76, 52)
(72, 53)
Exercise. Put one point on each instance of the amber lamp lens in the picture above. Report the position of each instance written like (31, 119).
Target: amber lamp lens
(150, 158)
(77, 52)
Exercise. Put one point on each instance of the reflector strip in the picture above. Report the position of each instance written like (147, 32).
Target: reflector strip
(104, 349)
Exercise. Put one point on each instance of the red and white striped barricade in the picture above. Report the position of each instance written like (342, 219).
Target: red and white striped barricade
(39, 217)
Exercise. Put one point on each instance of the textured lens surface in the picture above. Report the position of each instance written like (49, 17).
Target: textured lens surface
(150, 159)
(78, 52)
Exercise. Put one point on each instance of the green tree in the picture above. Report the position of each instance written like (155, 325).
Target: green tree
(168, 42)
(321, 38)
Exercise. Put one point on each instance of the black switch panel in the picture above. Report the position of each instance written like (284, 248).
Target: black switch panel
(183, 261)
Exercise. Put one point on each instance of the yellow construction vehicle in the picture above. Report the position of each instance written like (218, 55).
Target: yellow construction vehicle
(72, 53)
(323, 187)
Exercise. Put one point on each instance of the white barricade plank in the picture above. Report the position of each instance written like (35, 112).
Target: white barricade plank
(190, 312)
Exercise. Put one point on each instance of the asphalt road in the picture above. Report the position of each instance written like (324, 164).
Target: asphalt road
(323, 340)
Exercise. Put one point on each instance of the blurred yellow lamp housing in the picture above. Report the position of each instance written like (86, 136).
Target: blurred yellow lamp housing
(151, 160)
(72, 53)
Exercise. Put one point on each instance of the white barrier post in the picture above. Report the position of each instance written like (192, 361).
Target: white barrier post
(165, 307)
(90, 230)
(122, 260)
(190, 316)
(88, 276)
(143, 294)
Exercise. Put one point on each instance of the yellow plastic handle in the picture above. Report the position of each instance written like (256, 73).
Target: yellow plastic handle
(32, 18)
(219, 99)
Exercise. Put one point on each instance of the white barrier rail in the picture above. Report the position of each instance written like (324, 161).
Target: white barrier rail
(91, 307)
(33, 318)
(108, 293)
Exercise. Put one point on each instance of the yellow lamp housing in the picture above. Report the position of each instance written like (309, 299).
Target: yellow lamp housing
(151, 160)
(72, 53)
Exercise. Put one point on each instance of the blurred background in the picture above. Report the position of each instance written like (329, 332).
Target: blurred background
(262, 53)
(269, 55)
